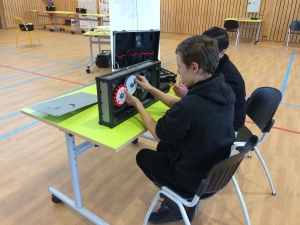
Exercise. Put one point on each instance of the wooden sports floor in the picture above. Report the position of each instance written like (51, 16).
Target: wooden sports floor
(33, 155)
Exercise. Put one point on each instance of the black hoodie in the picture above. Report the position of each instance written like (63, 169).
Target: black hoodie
(199, 130)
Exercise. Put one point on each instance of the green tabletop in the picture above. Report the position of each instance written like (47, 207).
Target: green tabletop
(244, 20)
(69, 13)
(100, 33)
(84, 123)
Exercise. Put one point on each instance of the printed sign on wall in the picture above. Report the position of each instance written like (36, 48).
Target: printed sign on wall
(104, 9)
(91, 7)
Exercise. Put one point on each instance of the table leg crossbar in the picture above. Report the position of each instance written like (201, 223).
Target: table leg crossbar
(73, 152)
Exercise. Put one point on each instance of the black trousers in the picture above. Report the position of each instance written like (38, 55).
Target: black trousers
(158, 164)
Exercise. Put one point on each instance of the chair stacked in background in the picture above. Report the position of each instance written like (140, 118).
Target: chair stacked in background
(21, 26)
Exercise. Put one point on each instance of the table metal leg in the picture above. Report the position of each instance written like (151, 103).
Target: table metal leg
(257, 33)
(73, 151)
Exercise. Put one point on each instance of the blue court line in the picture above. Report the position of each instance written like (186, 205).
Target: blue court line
(35, 122)
(36, 57)
(163, 42)
(47, 42)
(9, 115)
(44, 68)
(283, 88)
(17, 112)
(261, 53)
(38, 78)
(271, 49)
(170, 53)
(167, 63)
(292, 105)
(18, 130)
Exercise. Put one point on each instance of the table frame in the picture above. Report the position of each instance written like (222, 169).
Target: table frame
(259, 22)
(55, 19)
(98, 42)
(75, 151)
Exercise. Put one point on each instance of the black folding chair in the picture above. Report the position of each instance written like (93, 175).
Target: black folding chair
(217, 178)
(233, 26)
(293, 29)
(260, 108)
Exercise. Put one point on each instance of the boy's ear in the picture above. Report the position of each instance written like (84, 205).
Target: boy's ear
(222, 53)
(195, 67)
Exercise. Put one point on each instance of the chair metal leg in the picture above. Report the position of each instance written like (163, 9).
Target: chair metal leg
(30, 37)
(153, 203)
(237, 188)
(167, 194)
(17, 38)
(37, 33)
(266, 170)
(288, 38)
(27, 39)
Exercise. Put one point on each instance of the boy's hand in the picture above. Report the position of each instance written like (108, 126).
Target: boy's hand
(180, 89)
(143, 82)
(131, 100)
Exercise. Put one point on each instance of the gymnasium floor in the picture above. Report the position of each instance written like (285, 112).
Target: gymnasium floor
(33, 155)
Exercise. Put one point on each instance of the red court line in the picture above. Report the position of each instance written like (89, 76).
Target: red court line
(56, 78)
(278, 128)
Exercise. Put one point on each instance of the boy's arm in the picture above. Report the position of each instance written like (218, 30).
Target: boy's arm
(163, 97)
(149, 122)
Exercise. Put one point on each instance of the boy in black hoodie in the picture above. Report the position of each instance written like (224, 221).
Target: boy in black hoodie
(196, 132)
(231, 74)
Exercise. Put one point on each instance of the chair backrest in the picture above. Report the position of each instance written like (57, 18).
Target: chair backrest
(262, 105)
(231, 24)
(219, 176)
(295, 25)
(18, 21)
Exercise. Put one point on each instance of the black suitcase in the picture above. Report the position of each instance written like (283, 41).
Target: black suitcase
(103, 59)
(132, 47)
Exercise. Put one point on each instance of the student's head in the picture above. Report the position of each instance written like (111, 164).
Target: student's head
(197, 58)
(221, 36)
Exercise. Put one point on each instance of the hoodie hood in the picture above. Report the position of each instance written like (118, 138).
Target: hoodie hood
(214, 88)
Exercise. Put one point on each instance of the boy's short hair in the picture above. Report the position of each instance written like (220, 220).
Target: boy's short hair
(201, 50)
(220, 35)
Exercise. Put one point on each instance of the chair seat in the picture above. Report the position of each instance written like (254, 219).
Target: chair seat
(243, 135)
(231, 30)
(159, 182)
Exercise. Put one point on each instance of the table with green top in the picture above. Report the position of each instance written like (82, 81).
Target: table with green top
(84, 123)
(249, 20)
(100, 36)
(57, 14)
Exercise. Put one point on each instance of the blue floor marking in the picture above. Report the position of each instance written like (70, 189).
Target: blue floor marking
(170, 53)
(167, 63)
(261, 53)
(9, 115)
(38, 78)
(283, 88)
(36, 57)
(18, 130)
(45, 68)
(17, 112)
